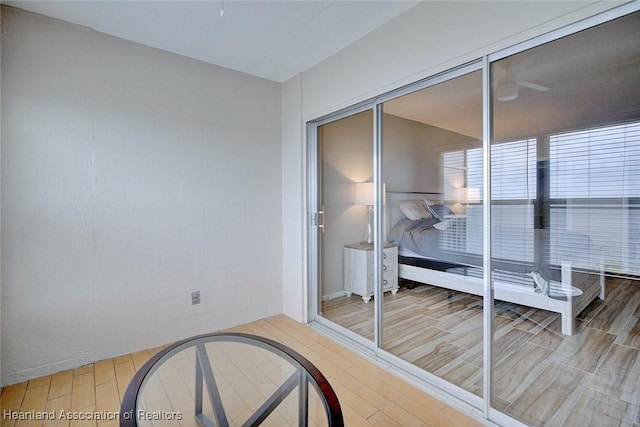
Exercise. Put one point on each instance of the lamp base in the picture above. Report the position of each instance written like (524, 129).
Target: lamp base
(368, 237)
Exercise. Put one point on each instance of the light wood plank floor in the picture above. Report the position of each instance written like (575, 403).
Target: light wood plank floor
(369, 395)
(541, 376)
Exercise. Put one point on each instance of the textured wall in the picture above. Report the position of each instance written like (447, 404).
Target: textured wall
(130, 177)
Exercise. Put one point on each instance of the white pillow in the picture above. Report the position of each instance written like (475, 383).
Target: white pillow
(414, 209)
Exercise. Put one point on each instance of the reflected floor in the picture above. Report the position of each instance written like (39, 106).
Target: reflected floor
(541, 376)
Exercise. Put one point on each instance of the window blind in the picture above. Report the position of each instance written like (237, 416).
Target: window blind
(453, 178)
(513, 184)
(595, 194)
(513, 168)
(594, 187)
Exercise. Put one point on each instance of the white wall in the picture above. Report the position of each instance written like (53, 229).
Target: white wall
(293, 197)
(130, 177)
(412, 154)
(430, 38)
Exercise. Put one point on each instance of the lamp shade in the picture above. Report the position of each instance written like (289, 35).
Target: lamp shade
(456, 194)
(364, 193)
(473, 195)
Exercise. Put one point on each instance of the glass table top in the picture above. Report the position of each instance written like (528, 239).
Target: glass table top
(229, 379)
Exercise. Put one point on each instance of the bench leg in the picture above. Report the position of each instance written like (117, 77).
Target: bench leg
(568, 322)
(568, 318)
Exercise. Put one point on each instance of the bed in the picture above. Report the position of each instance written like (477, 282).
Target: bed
(433, 249)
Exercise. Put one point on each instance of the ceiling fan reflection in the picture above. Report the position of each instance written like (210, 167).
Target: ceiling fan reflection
(509, 90)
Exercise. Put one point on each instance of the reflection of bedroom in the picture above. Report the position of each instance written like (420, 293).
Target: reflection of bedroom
(411, 164)
(432, 168)
(550, 200)
(542, 218)
(549, 258)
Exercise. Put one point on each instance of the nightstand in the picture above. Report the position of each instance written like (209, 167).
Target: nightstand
(358, 269)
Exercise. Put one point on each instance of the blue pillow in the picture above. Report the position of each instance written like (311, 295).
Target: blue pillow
(439, 211)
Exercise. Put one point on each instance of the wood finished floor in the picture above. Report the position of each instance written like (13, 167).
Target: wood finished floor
(541, 377)
(369, 395)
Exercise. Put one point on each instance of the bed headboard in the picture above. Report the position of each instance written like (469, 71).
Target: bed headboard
(395, 197)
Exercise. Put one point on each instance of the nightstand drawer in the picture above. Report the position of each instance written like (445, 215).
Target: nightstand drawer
(386, 266)
(388, 280)
(389, 259)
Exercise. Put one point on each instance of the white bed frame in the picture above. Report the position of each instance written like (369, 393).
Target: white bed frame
(592, 285)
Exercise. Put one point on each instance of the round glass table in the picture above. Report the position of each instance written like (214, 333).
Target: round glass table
(229, 379)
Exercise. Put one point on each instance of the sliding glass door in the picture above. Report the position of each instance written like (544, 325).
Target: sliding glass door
(565, 206)
(481, 228)
(345, 211)
(432, 168)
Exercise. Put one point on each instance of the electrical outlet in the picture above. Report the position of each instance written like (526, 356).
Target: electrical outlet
(195, 297)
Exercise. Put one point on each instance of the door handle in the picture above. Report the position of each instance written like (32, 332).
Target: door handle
(318, 219)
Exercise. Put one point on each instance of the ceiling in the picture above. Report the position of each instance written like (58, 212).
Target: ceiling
(270, 39)
(592, 77)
